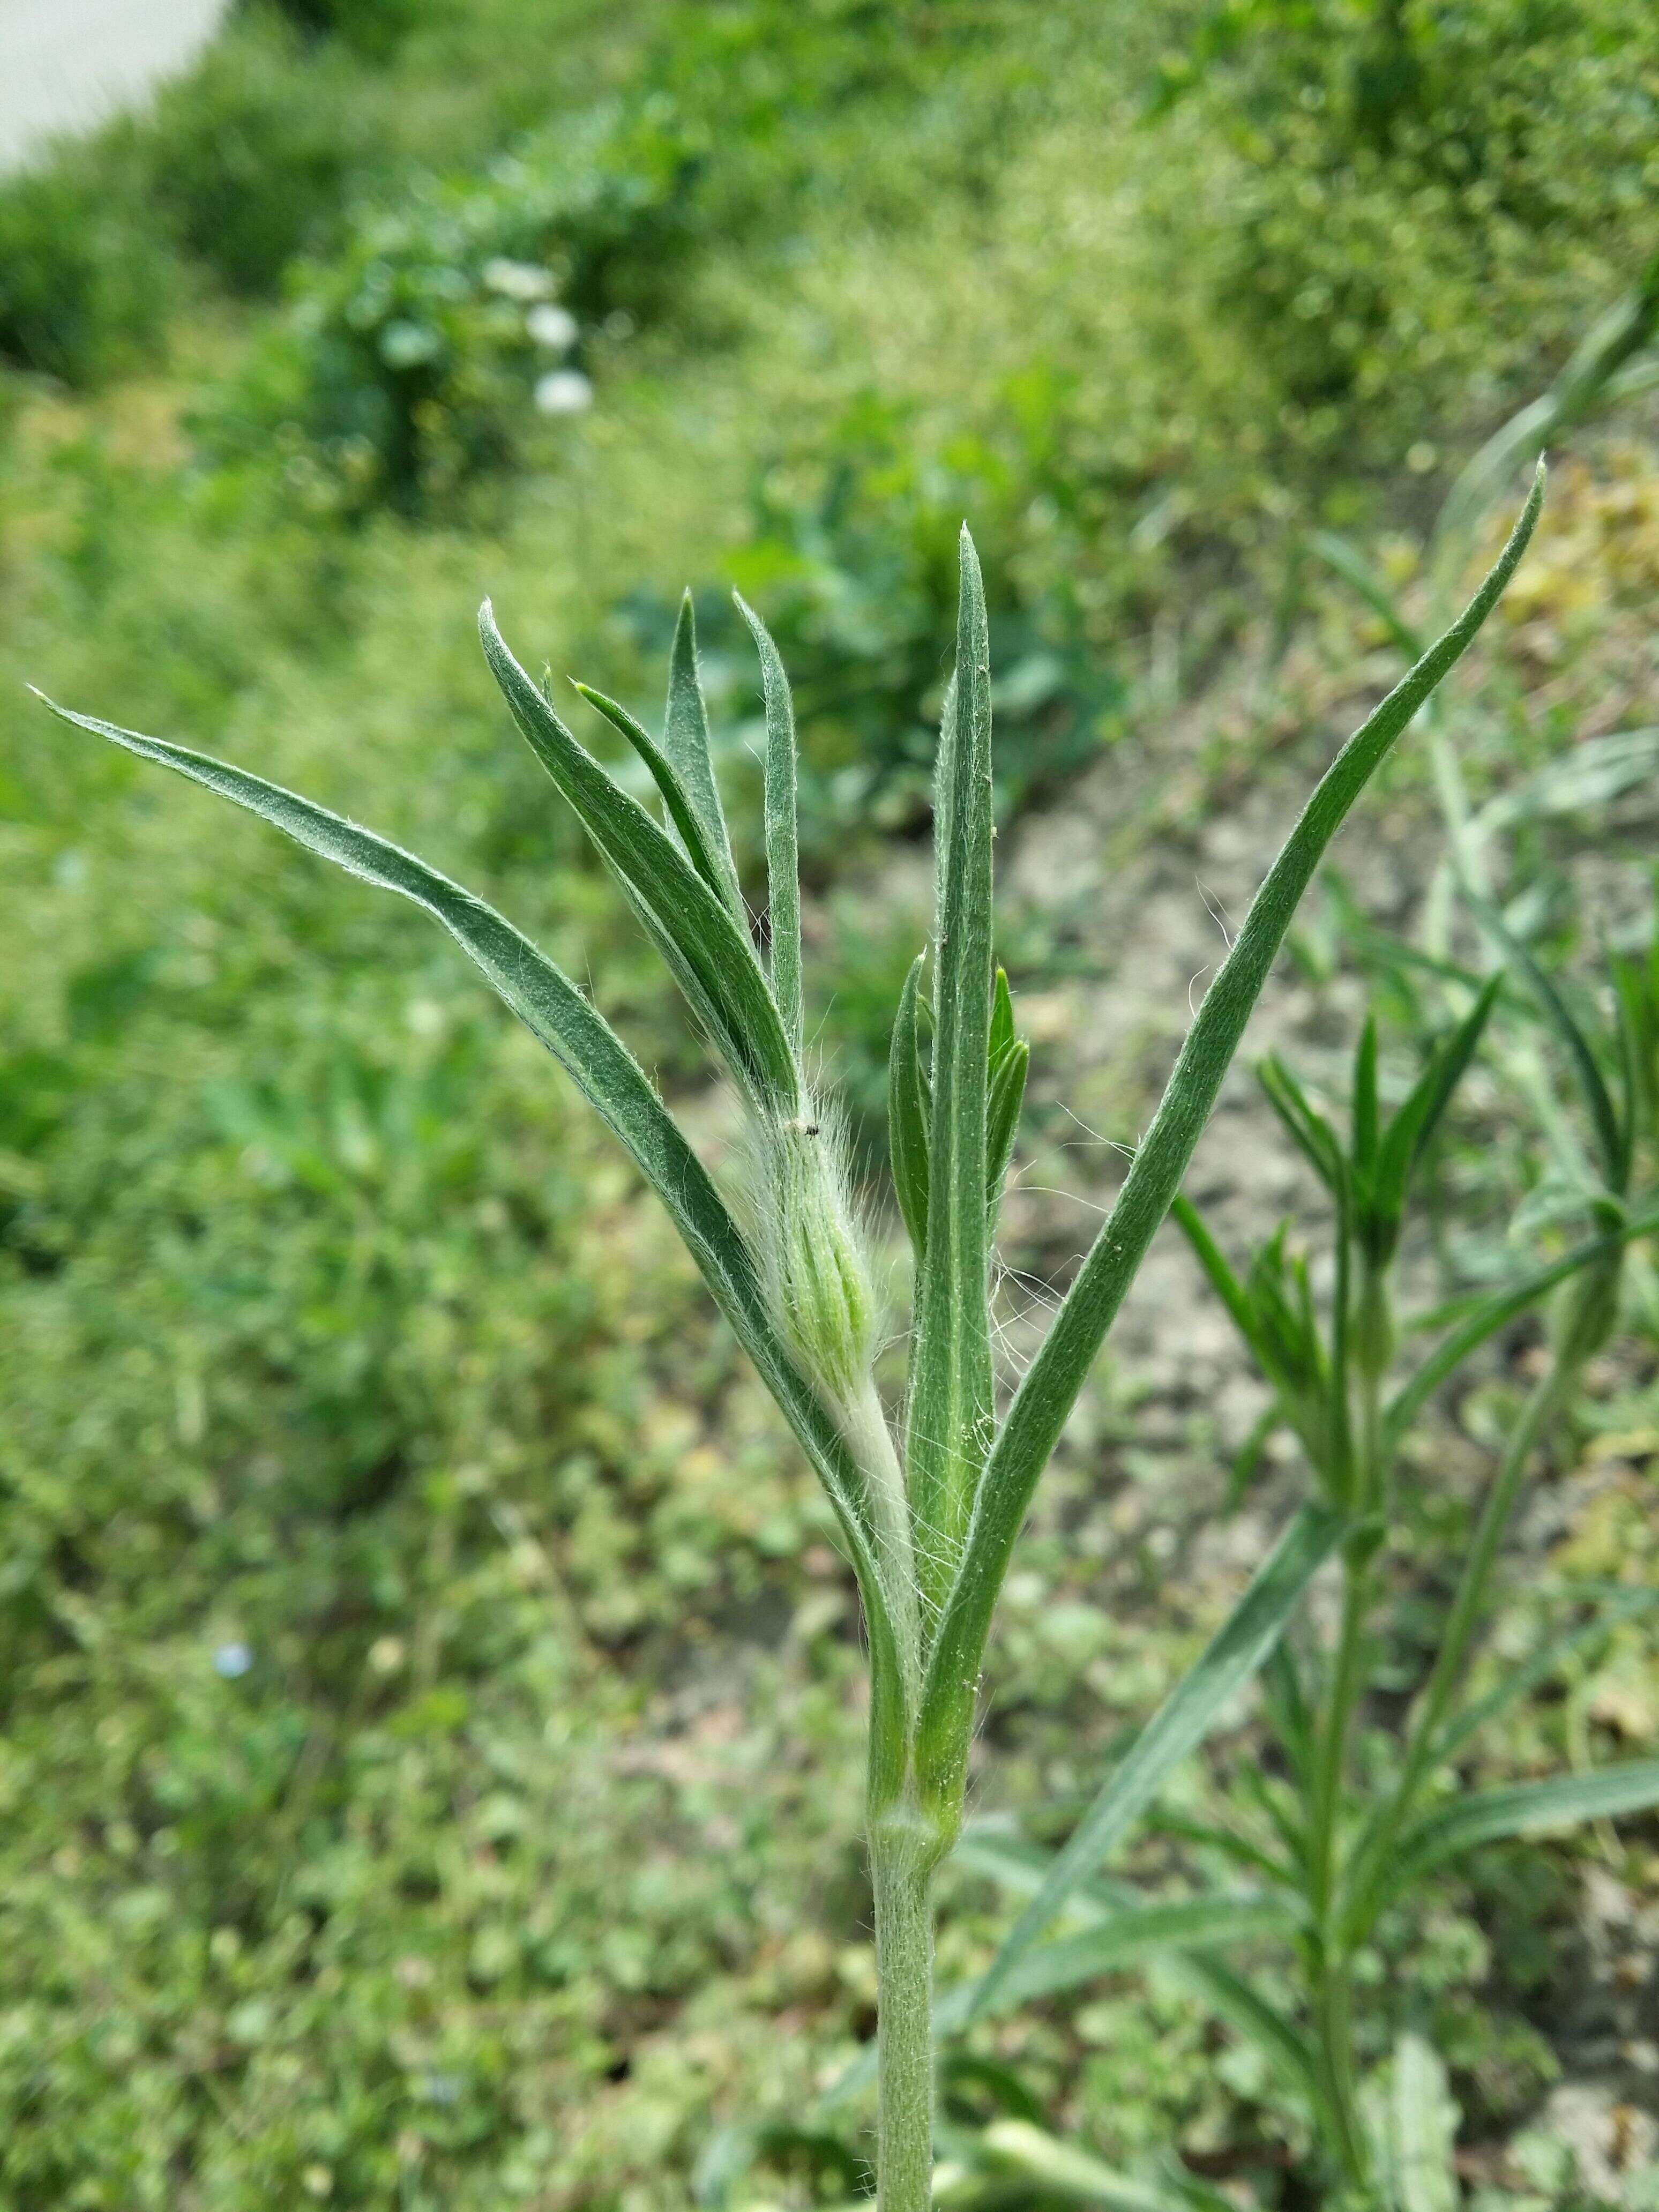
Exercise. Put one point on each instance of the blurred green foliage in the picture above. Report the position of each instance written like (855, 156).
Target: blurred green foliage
(252, 156)
(1383, 142)
(331, 1338)
(80, 295)
(852, 549)
(411, 356)
(373, 28)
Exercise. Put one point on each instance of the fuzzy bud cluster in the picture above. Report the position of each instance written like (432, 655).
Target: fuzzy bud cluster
(813, 1255)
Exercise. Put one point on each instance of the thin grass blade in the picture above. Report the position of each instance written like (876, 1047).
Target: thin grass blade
(1002, 1020)
(1346, 562)
(731, 2154)
(1248, 1462)
(1364, 1102)
(1222, 1279)
(1587, 776)
(1418, 1116)
(1022, 1868)
(1305, 1125)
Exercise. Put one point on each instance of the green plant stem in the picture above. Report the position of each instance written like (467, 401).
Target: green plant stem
(1470, 1601)
(904, 1849)
(870, 1440)
(1330, 1962)
(1553, 1387)
(901, 1867)
(1330, 1755)
(1332, 2019)
(1331, 1956)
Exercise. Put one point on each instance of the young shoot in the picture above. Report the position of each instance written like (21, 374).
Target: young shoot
(928, 1508)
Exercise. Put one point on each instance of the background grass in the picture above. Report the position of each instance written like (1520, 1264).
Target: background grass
(430, 1734)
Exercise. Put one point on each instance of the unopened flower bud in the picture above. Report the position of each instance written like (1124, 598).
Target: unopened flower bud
(816, 1271)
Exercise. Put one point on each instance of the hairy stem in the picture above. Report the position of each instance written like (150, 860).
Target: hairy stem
(870, 1440)
(901, 1866)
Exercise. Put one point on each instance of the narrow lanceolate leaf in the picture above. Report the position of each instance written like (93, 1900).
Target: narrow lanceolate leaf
(585, 1045)
(909, 1111)
(1492, 1816)
(706, 948)
(681, 812)
(1119, 1940)
(950, 1409)
(1489, 1315)
(1544, 1663)
(1180, 1724)
(1415, 1122)
(1226, 1285)
(1338, 554)
(1021, 2160)
(1250, 2016)
(1051, 1384)
(1001, 1040)
(782, 831)
(1009, 1062)
(685, 741)
(1002, 1122)
(1364, 1102)
(731, 2153)
(1024, 1867)
(1305, 1125)
(1609, 1140)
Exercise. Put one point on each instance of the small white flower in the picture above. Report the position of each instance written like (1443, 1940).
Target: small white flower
(231, 1661)
(552, 326)
(563, 391)
(517, 280)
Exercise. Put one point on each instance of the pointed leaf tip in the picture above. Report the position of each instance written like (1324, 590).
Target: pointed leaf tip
(707, 949)
(685, 743)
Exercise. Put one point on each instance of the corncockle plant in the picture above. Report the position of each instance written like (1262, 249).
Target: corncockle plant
(929, 1513)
